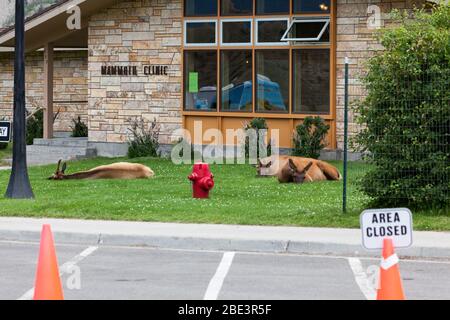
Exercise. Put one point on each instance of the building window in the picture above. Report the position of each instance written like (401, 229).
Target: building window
(200, 73)
(236, 32)
(270, 31)
(272, 72)
(308, 30)
(272, 7)
(200, 8)
(236, 7)
(311, 85)
(311, 6)
(258, 56)
(236, 80)
(200, 33)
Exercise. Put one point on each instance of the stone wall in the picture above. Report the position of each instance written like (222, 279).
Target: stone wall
(70, 85)
(355, 39)
(135, 33)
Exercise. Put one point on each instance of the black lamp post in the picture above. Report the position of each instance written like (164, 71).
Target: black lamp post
(19, 183)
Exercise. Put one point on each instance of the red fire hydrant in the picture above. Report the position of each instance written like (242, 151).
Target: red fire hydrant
(203, 181)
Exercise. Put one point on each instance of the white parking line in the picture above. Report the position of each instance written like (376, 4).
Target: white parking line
(361, 279)
(65, 268)
(216, 283)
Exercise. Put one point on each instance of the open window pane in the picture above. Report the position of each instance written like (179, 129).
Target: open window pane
(237, 7)
(311, 81)
(200, 33)
(272, 69)
(200, 77)
(200, 8)
(308, 30)
(236, 80)
(272, 7)
(271, 32)
(237, 32)
(311, 6)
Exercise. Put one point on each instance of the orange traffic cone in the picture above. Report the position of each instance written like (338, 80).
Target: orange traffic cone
(48, 283)
(391, 287)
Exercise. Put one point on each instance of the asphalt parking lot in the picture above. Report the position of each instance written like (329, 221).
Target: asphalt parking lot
(104, 273)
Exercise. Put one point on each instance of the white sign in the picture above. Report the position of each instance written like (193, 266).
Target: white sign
(379, 224)
(3, 132)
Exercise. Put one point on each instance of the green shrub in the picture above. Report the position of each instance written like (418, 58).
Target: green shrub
(35, 127)
(309, 137)
(406, 114)
(79, 129)
(145, 139)
(257, 124)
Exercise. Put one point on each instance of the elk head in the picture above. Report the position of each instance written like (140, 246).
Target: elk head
(298, 175)
(59, 174)
(263, 170)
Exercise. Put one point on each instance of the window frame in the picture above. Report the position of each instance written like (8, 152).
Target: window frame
(236, 44)
(267, 19)
(236, 15)
(185, 30)
(295, 20)
(289, 13)
(221, 86)
(294, 12)
(218, 46)
(293, 84)
(185, 76)
(290, 84)
(185, 15)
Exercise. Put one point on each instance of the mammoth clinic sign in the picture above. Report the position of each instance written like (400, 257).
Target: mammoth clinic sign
(148, 70)
(5, 131)
(378, 224)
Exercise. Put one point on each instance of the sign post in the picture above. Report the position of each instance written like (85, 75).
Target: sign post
(19, 186)
(5, 131)
(379, 224)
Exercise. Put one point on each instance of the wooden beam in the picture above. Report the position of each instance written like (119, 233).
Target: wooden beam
(48, 91)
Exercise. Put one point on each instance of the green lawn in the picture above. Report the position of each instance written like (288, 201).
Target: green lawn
(5, 154)
(238, 198)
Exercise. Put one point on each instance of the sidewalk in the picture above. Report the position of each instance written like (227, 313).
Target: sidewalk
(217, 237)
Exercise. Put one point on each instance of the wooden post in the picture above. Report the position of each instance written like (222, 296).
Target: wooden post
(48, 91)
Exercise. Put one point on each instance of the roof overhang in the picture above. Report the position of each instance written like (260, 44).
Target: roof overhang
(51, 26)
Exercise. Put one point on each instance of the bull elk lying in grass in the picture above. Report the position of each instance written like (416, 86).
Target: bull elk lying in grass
(297, 170)
(121, 170)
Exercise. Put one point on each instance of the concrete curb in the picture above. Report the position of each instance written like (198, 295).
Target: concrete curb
(220, 244)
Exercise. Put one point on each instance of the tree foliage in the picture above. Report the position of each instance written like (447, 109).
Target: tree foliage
(406, 114)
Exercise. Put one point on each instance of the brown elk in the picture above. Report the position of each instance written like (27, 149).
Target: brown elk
(297, 169)
(121, 170)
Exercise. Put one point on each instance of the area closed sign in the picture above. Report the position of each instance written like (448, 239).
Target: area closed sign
(5, 131)
(378, 224)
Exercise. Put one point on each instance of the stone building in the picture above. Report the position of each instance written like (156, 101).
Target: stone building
(185, 62)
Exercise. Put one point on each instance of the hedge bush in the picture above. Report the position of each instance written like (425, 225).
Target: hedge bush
(406, 114)
(144, 141)
(309, 137)
(35, 127)
(79, 129)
